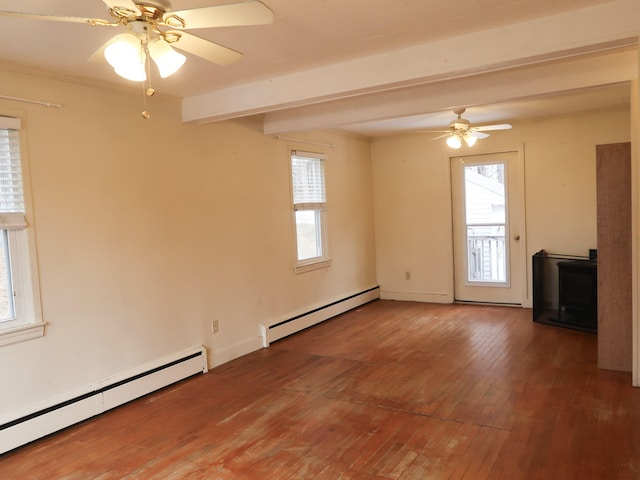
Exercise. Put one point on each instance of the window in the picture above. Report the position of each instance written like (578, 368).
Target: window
(19, 299)
(309, 207)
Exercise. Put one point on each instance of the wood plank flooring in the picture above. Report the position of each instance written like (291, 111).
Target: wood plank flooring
(392, 390)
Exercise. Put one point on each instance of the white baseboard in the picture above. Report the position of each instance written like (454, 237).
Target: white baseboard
(36, 421)
(416, 296)
(228, 353)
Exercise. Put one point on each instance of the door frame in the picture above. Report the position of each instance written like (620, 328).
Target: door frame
(522, 262)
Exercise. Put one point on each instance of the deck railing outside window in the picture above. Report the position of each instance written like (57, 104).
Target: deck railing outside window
(486, 255)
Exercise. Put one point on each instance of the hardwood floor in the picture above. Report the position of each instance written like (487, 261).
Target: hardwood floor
(392, 390)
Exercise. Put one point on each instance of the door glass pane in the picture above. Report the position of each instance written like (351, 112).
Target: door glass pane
(485, 214)
(484, 193)
(486, 253)
(6, 288)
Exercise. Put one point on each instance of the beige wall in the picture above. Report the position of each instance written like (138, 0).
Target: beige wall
(147, 230)
(412, 198)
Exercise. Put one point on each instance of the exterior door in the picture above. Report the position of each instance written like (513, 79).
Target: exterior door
(488, 228)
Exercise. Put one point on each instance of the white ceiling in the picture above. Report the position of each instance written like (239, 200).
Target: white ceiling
(311, 35)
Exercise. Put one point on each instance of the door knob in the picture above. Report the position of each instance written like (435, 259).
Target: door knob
(516, 237)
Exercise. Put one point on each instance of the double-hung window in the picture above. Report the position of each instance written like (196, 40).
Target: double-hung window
(20, 317)
(309, 207)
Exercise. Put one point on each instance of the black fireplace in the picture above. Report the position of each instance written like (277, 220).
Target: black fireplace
(565, 290)
(578, 293)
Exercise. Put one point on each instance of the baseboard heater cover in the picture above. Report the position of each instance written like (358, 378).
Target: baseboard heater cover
(99, 398)
(296, 323)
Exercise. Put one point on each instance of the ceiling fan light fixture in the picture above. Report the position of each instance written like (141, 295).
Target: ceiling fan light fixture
(454, 141)
(135, 73)
(470, 140)
(166, 58)
(126, 55)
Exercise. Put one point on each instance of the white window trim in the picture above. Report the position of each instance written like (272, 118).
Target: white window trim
(17, 334)
(28, 323)
(316, 265)
(324, 261)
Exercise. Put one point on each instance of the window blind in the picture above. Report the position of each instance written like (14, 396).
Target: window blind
(307, 171)
(12, 205)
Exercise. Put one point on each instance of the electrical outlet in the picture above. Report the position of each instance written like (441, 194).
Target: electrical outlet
(214, 326)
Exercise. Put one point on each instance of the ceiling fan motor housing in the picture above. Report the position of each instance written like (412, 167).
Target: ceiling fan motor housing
(163, 5)
(461, 124)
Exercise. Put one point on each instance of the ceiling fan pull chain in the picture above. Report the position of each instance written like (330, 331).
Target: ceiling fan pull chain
(145, 114)
(147, 89)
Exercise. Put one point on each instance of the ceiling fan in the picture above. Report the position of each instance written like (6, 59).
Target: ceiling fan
(153, 29)
(460, 130)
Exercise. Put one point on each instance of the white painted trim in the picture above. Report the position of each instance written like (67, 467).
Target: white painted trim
(309, 266)
(575, 32)
(426, 297)
(43, 418)
(12, 123)
(523, 262)
(21, 333)
(16, 436)
(221, 356)
(272, 331)
(570, 75)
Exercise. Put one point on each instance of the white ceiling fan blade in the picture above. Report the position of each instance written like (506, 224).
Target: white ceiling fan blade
(477, 134)
(205, 49)
(438, 137)
(122, 4)
(55, 18)
(503, 126)
(232, 14)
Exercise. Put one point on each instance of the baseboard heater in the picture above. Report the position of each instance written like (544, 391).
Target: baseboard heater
(297, 322)
(22, 427)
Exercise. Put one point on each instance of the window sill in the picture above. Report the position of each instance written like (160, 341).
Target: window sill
(308, 267)
(21, 333)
